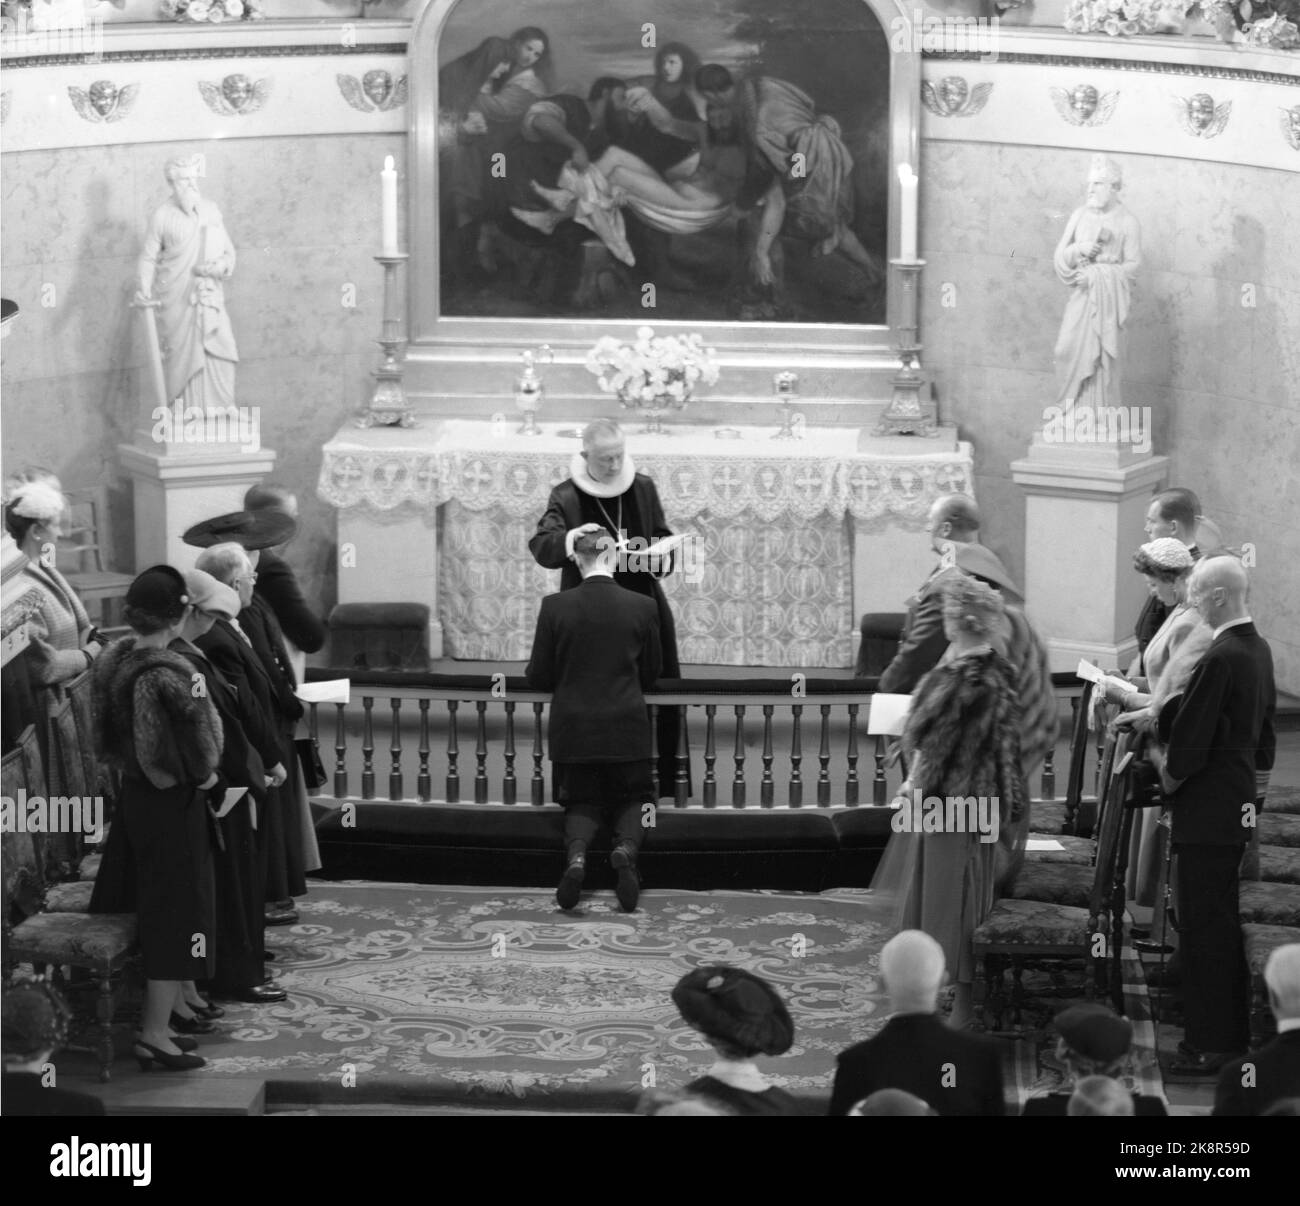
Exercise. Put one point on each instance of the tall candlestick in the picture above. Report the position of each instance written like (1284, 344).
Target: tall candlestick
(388, 178)
(907, 211)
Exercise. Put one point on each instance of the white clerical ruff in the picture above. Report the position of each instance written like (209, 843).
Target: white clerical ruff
(621, 483)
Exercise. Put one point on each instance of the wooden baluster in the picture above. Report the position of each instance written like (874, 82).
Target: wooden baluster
(654, 750)
(851, 783)
(314, 733)
(710, 757)
(453, 754)
(368, 747)
(738, 782)
(878, 783)
(508, 786)
(340, 755)
(1049, 775)
(480, 755)
(538, 783)
(424, 781)
(796, 757)
(681, 789)
(395, 752)
(767, 788)
(824, 757)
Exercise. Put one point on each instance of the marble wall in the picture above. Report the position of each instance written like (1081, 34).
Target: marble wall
(1212, 348)
(305, 303)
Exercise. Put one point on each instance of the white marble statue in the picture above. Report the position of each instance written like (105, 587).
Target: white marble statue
(1098, 257)
(187, 254)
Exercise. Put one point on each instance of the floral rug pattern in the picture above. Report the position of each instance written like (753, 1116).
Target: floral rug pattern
(472, 993)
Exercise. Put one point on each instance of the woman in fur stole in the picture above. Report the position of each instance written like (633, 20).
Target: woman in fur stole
(166, 738)
(957, 835)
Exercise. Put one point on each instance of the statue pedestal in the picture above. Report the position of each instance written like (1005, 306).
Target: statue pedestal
(1084, 513)
(176, 485)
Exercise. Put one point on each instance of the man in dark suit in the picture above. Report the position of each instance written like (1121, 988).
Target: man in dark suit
(953, 528)
(597, 648)
(1217, 736)
(955, 1072)
(1249, 1086)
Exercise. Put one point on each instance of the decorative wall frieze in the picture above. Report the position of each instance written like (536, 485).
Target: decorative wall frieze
(1289, 122)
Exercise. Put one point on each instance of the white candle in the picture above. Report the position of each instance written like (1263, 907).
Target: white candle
(388, 178)
(907, 212)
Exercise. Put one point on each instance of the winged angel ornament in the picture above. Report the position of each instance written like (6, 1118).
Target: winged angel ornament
(376, 91)
(104, 100)
(1200, 116)
(1083, 105)
(954, 97)
(236, 94)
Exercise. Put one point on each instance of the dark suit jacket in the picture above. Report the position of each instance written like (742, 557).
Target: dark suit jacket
(924, 640)
(956, 1072)
(1056, 1105)
(240, 667)
(24, 1096)
(1222, 732)
(277, 584)
(258, 620)
(1277, 1075)
(597, 649)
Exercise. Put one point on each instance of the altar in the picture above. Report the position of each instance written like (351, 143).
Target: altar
(791, 539)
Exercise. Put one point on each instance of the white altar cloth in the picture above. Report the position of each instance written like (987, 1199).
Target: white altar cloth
(783, 528)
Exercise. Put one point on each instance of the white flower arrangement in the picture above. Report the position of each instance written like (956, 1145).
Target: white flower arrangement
(1126, 18)
(211, 11)
(653, 372)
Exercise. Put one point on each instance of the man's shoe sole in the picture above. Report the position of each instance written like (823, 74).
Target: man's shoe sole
(628, 886)
(569, 892)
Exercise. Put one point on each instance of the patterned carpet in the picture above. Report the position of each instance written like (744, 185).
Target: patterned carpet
(490, 996)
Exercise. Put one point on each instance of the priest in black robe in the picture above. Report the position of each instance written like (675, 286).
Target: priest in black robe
(605, 492)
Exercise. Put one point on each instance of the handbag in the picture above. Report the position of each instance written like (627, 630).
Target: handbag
(313, 769)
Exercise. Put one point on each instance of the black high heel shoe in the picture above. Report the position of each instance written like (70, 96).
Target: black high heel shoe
(194, 1025)
(208, 1011)
(148, 1055)
(185, 1045)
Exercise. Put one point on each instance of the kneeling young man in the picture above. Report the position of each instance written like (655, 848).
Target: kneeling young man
(597, 650)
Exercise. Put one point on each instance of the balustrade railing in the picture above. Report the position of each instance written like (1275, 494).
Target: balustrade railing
(423, 710)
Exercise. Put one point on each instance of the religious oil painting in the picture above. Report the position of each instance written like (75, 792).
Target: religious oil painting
(717, 161)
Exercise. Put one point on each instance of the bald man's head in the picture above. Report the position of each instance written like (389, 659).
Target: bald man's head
(912, 965)
(1218, 589)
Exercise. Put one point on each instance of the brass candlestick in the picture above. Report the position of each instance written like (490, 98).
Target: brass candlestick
(529, 390)
(388, 407)
(904, 415)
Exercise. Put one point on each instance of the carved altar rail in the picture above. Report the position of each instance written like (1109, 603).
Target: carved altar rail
(739, 778)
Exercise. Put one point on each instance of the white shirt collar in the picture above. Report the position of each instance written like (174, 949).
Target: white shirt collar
(589, 485)
(740, 1074)
(597, 572)
(1231, 624)
(1288, 1024)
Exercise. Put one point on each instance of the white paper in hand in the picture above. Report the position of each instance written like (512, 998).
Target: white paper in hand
(332, 691)
(233, 796)
(888, 714)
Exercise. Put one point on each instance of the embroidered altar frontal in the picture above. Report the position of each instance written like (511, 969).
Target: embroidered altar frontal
(766, 578)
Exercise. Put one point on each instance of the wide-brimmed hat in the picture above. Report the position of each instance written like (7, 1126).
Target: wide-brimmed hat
(209, 594)
(252, 529)
(735, 1007)
(1095, 1032)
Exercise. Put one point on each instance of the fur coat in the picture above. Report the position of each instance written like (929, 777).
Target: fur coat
(149, 720)
(963, 732)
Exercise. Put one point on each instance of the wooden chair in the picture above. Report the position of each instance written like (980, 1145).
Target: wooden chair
(1019, 930)
(1047, 819)
(84, 550)
(101, 943)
